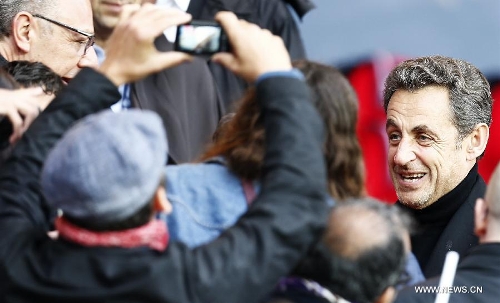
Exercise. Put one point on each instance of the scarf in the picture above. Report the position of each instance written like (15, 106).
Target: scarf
(153, 234)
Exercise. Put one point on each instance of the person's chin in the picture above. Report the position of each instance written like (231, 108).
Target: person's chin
(111, 7)
(416, 199)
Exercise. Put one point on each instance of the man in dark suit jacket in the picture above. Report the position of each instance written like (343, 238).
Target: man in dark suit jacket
(187, 100)
(438, 116)
(477, 277)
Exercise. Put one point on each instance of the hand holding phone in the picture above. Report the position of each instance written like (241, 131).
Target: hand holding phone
(254, 51)
(201, 38)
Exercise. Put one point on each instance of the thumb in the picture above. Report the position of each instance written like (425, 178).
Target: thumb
(34, 91)
(128, 10)
(227, 60)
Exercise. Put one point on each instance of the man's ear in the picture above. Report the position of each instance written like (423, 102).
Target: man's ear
(476, 141)
(387, 296)
(480, 217)
(23, 30)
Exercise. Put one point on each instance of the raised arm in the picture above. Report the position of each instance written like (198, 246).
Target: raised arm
(21, 200)
(134, 56)
(290, 212)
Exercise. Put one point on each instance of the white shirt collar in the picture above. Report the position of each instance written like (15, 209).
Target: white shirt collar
(181, 4)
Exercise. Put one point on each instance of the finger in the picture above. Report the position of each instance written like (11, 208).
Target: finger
(43, 101)
(155, 16)
(33, 91)
(17, 125)
(29, 111)
(227, 60)
(29, 118)
(127, 11)
(159, 20)
(230, 23)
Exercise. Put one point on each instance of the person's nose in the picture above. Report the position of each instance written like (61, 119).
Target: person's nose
(405, 153)
(89, 59)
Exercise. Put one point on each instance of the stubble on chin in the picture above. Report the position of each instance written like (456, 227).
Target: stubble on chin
(418, 202)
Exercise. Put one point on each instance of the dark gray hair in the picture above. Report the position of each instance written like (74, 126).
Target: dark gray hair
(9, 9)
(470, 95)
(350, 266)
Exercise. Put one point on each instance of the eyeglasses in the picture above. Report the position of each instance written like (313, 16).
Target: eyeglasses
(91, 37)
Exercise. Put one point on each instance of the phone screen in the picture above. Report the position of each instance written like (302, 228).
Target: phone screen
(200, 37)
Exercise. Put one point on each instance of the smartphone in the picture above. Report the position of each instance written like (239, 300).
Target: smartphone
(201, 38)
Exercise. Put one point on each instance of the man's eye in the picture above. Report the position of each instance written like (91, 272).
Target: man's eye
(394, 138)
(424, 138)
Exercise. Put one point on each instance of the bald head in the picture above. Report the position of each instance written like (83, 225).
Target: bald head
(356, 228)
(492, 196)
(487, 212)
(362, 252)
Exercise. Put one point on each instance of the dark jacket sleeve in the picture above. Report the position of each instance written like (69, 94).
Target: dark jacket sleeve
(21, 202)
(285, 219)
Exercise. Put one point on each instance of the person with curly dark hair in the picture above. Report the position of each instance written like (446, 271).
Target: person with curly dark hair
(33, 74)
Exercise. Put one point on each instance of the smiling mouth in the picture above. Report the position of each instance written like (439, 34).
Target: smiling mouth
(412, 177)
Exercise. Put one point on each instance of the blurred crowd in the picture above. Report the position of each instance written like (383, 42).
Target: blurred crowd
(133, 169)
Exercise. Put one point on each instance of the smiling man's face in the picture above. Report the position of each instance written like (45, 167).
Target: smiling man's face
(426, 160)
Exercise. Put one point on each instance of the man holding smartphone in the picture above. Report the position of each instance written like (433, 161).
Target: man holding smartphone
(135, 263)
(273, 15)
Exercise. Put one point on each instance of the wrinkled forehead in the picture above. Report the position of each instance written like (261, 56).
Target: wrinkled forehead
(428, 106)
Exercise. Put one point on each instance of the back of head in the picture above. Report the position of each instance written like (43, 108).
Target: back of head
(470, 96)
(34, 74)
(363, 251)
(107, 167)
(243, 141)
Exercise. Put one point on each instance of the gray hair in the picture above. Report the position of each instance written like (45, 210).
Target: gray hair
(9, 9)
(470, 95)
